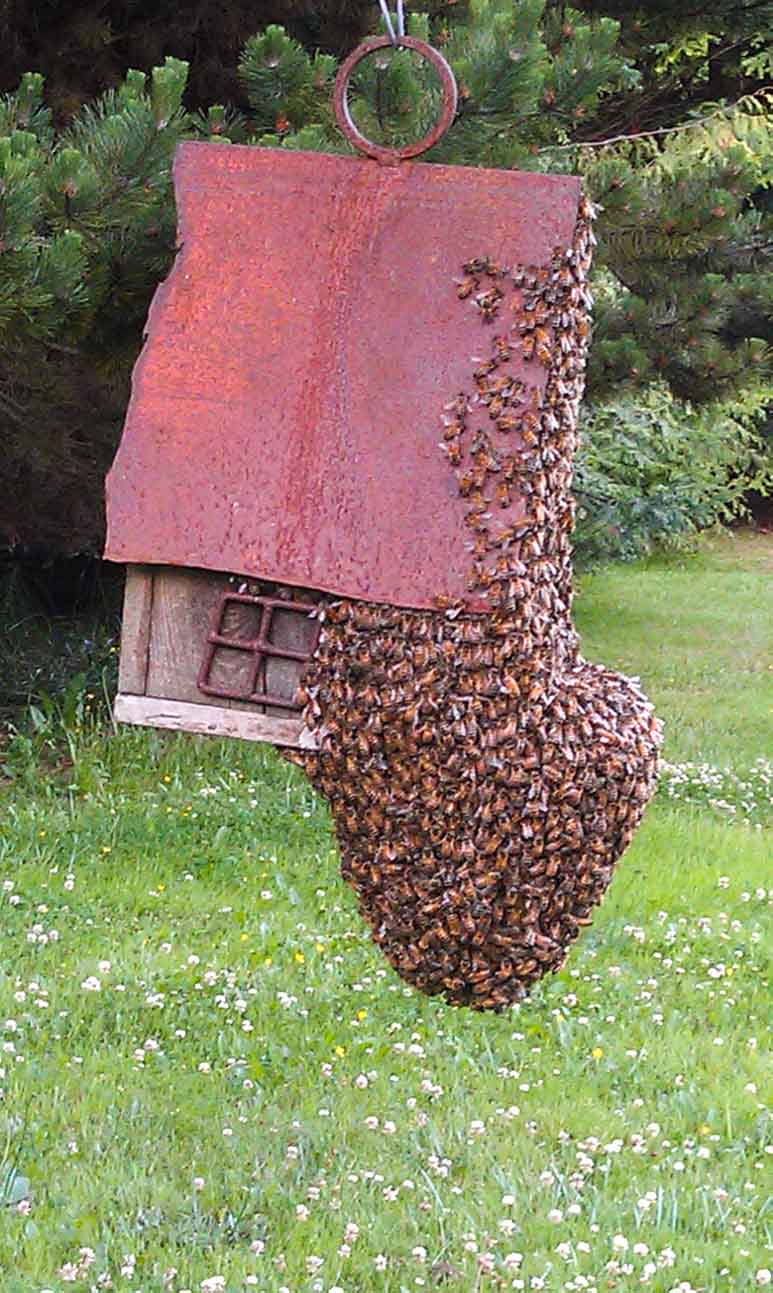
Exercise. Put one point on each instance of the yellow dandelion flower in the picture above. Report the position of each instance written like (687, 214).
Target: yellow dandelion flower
(340, 1052)
(597, 1052)
(243, 938)
(300, 958)
(268, 961)
(362, 1014)
(319, 947)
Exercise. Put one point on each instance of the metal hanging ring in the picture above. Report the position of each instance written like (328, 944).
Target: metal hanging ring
(391, 156)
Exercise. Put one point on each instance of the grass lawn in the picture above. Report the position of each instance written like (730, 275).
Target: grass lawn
(212, 1082)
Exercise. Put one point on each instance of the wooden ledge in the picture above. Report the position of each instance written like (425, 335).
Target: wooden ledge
(211, 720)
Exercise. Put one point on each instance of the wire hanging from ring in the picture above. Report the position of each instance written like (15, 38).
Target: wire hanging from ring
(394, 36)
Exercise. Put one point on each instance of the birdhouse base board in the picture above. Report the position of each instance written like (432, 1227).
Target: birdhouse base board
(208, 720)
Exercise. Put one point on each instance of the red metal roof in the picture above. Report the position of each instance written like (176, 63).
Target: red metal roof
(286, 408)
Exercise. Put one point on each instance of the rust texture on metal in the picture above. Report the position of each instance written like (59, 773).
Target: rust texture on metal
(260, 646)
(283, 420)
(341, 99)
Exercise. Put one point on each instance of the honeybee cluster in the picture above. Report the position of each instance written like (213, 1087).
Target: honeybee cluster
(484, 778)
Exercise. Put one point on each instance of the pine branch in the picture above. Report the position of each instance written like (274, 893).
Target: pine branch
(652, 134)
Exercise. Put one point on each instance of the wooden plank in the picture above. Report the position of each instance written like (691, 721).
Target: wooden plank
(183, 603)
(135, 630)
(212, 720)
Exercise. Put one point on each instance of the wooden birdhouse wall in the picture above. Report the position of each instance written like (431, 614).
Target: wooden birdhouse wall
(169, 615)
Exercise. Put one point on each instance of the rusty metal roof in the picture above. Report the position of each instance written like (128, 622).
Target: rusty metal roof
(286, 408)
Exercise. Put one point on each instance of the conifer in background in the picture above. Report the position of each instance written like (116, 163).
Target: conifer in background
(683, 282)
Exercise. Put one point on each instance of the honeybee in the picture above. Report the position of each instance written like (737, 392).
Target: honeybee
(478, 548)
(485, 461)
(469, 481)
(488, 303)
(483, 369)
(530, 421)
(478, 265)
(507, 422)
(502, 492)
(457, 406)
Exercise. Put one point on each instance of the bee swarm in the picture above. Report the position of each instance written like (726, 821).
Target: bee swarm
(484, 778)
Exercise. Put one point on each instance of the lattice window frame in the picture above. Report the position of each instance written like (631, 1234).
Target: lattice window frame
(261, 647)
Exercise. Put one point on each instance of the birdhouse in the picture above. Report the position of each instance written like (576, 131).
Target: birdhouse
(343, 495)
(282, 439)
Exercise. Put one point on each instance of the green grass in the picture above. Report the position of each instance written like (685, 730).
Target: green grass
(208, 1068)
(699, 631)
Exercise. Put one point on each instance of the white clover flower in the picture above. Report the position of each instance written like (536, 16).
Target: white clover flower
(91, 984)
(763, 1276)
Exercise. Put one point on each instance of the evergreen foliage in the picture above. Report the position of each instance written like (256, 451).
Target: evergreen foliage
(652, 469)
(83, 47)
(682, 279)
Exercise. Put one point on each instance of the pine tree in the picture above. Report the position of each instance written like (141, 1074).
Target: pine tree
(683, 296)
